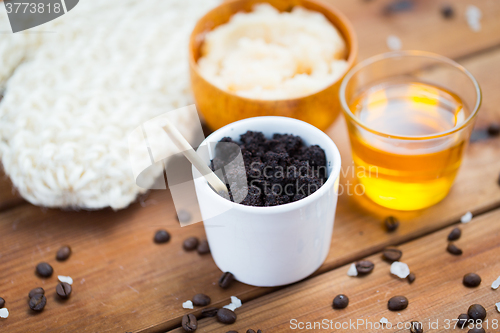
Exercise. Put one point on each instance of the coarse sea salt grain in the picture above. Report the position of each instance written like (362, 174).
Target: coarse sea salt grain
(384, 320)
(236, 301)
(400, 269)
(66, 279)
(473, 16)
(187, 304)
(466, 218)
(4, 313)
(231, 307)
(352, 270)
(498, 306)
(394, 43)
(496, 284)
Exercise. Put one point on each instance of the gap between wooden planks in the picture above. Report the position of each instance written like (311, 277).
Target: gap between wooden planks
(436, 295)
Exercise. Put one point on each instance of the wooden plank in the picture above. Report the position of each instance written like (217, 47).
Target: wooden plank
(124, 279)
(8, 196)
(436, 295)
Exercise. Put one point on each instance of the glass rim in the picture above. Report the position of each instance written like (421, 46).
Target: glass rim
(412, 53)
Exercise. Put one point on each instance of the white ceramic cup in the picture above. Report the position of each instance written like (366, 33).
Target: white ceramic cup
(278, 245)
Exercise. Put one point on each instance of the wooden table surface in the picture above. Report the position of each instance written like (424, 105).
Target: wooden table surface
(123, 282)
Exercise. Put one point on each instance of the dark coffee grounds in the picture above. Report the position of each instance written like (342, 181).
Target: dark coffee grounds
(278, 170)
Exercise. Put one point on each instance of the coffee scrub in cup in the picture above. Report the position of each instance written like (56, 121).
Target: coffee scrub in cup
(275, 229)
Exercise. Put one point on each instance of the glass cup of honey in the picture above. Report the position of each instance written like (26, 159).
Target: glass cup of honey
(409, 116)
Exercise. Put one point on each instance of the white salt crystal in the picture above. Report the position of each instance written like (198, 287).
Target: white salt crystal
(352, 270)
(66, 279)
(498, 306)
(236, 301)
(231, 307)
(466, 218)
(400, 269)
(496, 284)
(384, 320)
(4, 313)
(394, 43)
(473, 16)
(187, 304)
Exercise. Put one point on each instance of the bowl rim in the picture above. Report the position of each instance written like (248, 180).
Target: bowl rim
(327, 145)
(352, 48)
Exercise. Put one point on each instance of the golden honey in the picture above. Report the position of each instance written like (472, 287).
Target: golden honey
(408, 164)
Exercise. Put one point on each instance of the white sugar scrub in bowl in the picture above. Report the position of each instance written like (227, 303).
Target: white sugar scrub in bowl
(278, 236)
(267, 54)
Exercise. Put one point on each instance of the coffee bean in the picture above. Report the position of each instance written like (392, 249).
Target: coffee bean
(2, 302)
(340, 302)
(397, 303)
(190, 243)
(203, 247)
(250, 330)
(453, 249)
(201, 300)
(226, 316)
(364, 267)
(392, 254)
(391, 223)
(455, 234)
(44, 270)
(37, 302)
(63, 253)
(225, 280)
(36, 291)
(416, 327)
(411, 278)
(476, 311)
(209, 312)
(463, 320)
(232, 332)
(189, 323)
(447, 11)
(161, 236)
(471, 280)
(63, 290)
(476, 330)
(183, 216)
(494, 129)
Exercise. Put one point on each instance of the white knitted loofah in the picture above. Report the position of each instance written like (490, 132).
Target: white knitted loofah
(76, 86)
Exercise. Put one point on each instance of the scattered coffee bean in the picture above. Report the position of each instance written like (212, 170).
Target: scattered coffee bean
(411, 278)
(463, 320)
(397, 303)
(476, 330)
(476, 311)
(203, 247)
(183, 216)
(453, 249)
(2, 302)
(416, 327)
(232, 332)
(63, 290)
(161, 236)
(37, 302)
(447, 11)
(391, 223)
(63, 253)
(340, 302)
(36, 291)
(226, 316)
(364, 267)
(455, 234)
(190, 244)
(392, 254)
(201, 300)
(250, 330)
(189, 323)
(494, 129)
(44, 270)
(471, 280)
(225, 280)
(209, 312)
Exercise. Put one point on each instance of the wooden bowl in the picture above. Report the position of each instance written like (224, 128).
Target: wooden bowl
(220, 107)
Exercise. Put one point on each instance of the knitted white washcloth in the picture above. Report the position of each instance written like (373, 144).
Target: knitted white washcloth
(76, 86)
